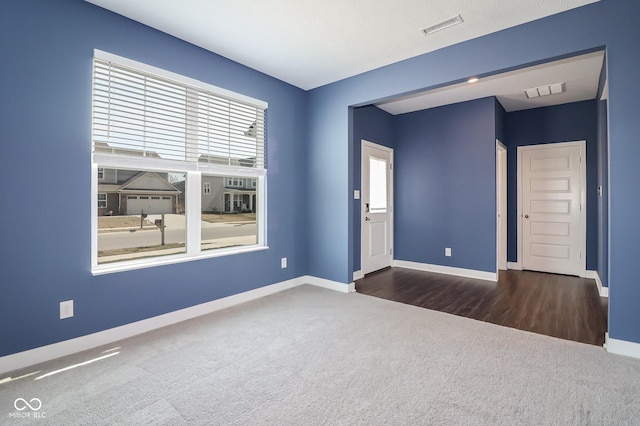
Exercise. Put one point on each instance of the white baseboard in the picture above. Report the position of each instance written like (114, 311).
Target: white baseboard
(56, 350)
(331, 285)
(449, 270)
(514, 265)
(358, 275)
(621, 347)
(603, 291)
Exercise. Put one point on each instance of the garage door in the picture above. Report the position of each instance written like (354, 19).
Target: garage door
(149, 204)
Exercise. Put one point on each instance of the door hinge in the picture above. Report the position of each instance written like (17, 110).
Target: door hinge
(390, 251)
(390, 166)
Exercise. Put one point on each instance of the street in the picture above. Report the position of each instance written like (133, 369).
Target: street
(174, 233)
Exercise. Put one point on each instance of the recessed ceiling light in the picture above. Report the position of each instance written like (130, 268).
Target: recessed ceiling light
(442, 25)
(472, 80)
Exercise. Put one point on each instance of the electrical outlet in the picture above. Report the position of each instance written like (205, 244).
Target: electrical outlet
(447, 251)
(66, 309)
(283, 262)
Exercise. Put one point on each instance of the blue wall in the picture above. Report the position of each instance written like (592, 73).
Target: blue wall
(45, 113)
(374, 125)
(607, 23)
(562, 123)
(44, 128)
(445, 186)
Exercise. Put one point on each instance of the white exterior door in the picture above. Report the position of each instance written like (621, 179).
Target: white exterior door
(377, 207)
(553, 207)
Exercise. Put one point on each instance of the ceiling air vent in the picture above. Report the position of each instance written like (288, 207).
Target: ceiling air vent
(549, 89)
(442, 25)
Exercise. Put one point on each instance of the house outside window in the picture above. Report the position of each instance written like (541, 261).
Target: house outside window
(156, 213)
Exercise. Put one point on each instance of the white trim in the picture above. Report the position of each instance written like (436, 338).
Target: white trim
(94, 214)
(193, 203)
(118, 161)
(56, 350)
(501, 150)
(593, 275)
(514, 265)
(110, 57)
(168, 259)
(358, 275)
(621, 347)
(448, 270)
(331, 285)
(582, 144)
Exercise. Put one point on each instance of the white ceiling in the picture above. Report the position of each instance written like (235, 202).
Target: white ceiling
(580, 75)
(310, 43)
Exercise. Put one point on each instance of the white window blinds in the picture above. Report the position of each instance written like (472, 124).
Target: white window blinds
(139, 113)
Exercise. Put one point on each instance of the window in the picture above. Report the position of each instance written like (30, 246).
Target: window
(160, 137)
(378, 185)
(236, 212)
(234, 182)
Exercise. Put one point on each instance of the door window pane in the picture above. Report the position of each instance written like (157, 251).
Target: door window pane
(377, 185)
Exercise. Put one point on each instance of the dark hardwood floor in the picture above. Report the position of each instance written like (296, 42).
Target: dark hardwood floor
(556, 305)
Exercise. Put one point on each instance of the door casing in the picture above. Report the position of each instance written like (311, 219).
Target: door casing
(501, 206)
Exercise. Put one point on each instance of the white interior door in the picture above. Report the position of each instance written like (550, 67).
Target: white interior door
(377, 207)
(553, 209)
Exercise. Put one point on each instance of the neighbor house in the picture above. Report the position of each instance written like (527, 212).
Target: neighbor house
(130, 192)
(228, 194)
(310, 214)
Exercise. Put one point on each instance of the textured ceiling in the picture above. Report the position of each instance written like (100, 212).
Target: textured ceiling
(310, 43)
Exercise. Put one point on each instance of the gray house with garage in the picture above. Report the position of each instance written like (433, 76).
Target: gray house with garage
(132, 192)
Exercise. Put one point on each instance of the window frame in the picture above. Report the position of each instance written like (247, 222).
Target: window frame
(106, 198)
(193, 170)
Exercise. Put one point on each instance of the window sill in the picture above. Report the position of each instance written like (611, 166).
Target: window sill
(131, 265)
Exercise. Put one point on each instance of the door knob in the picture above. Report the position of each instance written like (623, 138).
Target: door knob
(366, 219)
(526, 216)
